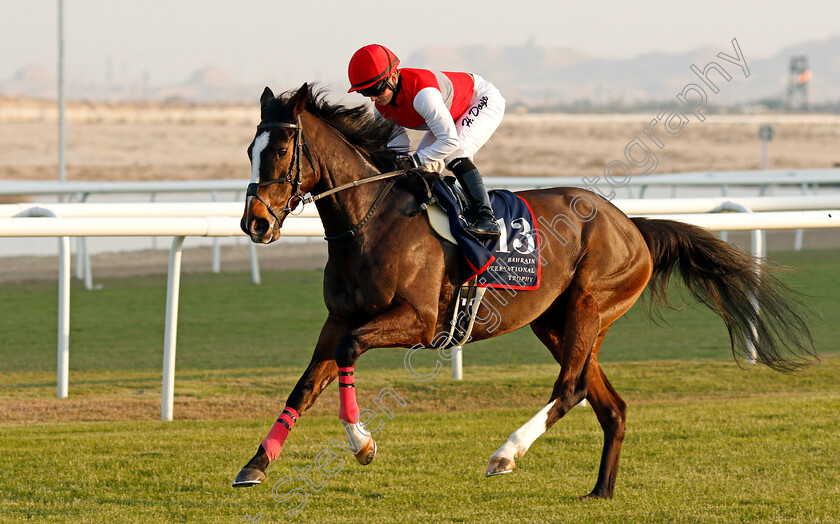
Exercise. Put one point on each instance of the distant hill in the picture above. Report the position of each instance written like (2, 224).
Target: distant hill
(31, 80)
(208, 84)
(533, 75)
(527, 75)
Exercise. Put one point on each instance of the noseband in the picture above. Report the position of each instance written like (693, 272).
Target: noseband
(294, 167)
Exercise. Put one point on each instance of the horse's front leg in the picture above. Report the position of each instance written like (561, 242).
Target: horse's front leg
(400, 326)
(321, 371)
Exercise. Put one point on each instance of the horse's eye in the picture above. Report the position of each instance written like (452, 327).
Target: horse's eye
(280, 152)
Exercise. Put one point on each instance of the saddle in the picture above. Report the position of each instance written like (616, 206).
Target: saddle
(438, 218)
(509, 262)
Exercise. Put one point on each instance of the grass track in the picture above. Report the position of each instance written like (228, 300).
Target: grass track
(762, 459)
(225, 322)
(706, 441)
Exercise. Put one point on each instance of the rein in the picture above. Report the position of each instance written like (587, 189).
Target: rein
(301, 145)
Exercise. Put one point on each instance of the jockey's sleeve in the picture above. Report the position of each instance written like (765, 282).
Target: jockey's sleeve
(399, 140)
(429, 104)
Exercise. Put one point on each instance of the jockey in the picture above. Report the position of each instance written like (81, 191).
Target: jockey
(459, 111)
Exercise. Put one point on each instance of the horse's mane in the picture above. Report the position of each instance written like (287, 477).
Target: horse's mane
(357, 124)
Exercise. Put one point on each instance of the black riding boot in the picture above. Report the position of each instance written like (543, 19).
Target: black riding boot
(485, 226)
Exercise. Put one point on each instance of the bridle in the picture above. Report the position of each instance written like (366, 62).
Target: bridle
(293, 176)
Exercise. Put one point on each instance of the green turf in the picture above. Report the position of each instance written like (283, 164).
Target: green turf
(767, 455)
(226, 322)
(706, 440)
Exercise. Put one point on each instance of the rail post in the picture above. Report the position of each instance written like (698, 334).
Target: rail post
(173, 284)
(457, 363)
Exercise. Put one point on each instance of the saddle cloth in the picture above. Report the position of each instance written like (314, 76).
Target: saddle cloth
(512, 261)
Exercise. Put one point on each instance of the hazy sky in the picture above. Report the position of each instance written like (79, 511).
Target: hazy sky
(289, 42)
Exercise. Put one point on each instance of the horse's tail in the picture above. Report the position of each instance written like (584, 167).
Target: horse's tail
(758, 309)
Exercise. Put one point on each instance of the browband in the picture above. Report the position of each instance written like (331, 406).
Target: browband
(288, 125)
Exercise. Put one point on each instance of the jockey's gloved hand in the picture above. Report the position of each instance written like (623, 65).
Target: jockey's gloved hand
(408, 162)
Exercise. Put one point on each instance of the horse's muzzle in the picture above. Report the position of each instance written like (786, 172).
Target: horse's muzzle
(257, 225)
(259, 229)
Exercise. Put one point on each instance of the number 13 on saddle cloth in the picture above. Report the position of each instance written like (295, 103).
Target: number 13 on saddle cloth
(513, 260)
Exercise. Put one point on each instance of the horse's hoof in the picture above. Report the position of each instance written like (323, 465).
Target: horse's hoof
(596, 495)
(499, 466)
(254, 471)
(366, 454)
(248, 477)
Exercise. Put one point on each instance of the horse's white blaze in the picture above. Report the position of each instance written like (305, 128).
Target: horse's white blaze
(521, 439)
(260, 144)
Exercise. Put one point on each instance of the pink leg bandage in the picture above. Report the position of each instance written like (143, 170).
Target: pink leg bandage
(349, 411)
(273, 442)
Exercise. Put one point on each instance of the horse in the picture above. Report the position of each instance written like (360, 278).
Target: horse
(390, 281)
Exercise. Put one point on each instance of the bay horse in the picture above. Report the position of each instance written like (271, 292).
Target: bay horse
(389, 281)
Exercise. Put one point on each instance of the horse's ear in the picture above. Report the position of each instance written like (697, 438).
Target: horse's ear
(301, 98)
(267, 96)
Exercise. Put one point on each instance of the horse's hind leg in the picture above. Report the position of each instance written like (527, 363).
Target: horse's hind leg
(571, 342)
(611, 412)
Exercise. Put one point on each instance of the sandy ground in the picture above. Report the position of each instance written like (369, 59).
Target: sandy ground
(107, 142)
(154, 142)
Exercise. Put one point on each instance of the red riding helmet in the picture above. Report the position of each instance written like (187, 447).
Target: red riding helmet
(369, 65)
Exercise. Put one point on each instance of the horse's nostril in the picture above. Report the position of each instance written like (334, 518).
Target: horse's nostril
(259, 226)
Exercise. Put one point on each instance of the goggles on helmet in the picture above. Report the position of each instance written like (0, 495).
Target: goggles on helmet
(374, 90)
